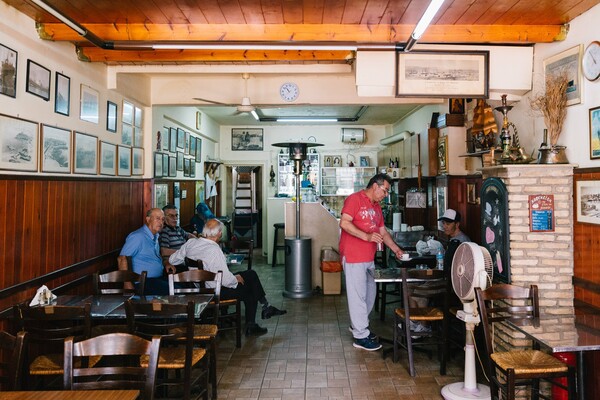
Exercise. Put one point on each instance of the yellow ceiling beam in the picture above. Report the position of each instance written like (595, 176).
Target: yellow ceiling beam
(119, 32)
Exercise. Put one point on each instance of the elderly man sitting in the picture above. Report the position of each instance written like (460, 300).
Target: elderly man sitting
(244, 285)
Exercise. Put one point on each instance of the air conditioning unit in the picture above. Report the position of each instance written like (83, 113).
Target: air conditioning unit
(353, 135)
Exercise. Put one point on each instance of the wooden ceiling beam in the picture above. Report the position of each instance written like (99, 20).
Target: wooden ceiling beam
(121, 33)
(95, 54)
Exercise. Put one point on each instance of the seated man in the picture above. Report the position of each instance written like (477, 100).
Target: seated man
(142, 246)
(244, 285)
(172, 236)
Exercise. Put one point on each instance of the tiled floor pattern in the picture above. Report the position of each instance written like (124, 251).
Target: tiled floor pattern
(308, 354)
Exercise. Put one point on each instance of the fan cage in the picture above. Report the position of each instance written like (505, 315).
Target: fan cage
(472, 266)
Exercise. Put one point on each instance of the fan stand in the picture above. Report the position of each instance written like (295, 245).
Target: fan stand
(469, 389)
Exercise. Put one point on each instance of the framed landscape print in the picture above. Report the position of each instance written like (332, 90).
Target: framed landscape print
(172, 166)
(38, 80)
(62, 94)
(137, 136)
(86, 154)
(127, 134)
(89, 104)
(18, 144)
(8, 71)
(568, 62)
(595, 132)
(588, 202)
(108, 158)
(179, 161)
(158, 168)
(137, 158)
(161, 195)
(127, 112)
(124, 163)
(188, 138)
(246, 139)
(165, 165)
(56, 149)
(193, 146)
(165, 139)
(186, 166)
(198, 150)
(111, 116)
(172, 140)
(180, 138)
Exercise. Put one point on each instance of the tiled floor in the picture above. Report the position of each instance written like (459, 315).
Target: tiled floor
(308, 354)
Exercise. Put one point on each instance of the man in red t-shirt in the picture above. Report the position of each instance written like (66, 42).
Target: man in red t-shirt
(362, 229)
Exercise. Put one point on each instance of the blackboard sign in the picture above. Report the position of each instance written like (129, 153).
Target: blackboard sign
(541, 213)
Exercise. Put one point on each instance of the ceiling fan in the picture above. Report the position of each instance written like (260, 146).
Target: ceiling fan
(245, 106)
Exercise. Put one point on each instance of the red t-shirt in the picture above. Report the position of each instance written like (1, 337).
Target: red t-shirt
(367, 217)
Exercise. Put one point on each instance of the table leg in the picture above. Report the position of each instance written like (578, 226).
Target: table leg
(580, 376)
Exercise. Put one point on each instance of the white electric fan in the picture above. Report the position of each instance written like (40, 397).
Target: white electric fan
(471, 267)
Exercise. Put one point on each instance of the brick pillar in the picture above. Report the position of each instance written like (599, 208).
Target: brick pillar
(541, 258)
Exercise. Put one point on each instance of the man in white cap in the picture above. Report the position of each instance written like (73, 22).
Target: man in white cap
(451, 223)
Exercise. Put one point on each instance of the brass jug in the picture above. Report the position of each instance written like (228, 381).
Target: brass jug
(552, 155)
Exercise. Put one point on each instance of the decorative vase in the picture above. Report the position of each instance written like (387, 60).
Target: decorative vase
(552, 155)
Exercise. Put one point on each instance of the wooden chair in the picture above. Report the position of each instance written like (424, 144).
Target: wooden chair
(11, 366)
(510, 369)
(128, 362)
(114, 282)
(242, 246)
(174, 323)
(47, 327)
(431, 285)
(227, 320)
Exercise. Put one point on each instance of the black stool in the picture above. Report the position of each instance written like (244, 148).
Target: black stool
(277, 246)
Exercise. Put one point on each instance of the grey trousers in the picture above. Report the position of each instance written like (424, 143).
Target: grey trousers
(361, 292)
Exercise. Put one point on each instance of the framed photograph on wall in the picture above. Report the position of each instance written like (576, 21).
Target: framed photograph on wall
(595, 132)
(86, 154)
(161, 195)
(188, 139)
(127, 112)
(193, 146)
(172, 140)
(244, 139)
(124, 165)
(158, 165)
(18, 144)
(108, 158)
(165, 164)
(62, 94)
(56, 149)
(588, 202)
(441, 202)
(180, 138)
(38, 80)
(89, 104)
(8, 71)
(127, 134)
(568, 62)
(137, 161)
(186, 166)
(199, 192)
(454, 74)
(111, 116)
(179, 161)
(198, 154)
(172, 166)
(165, 139)
(443, 155)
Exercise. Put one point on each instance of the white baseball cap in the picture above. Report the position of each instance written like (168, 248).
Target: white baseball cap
(450, 216)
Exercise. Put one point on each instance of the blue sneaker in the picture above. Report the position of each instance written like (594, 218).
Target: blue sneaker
(371, 336)
(366, 344)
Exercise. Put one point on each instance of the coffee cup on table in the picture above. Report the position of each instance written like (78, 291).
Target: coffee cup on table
(405, 257)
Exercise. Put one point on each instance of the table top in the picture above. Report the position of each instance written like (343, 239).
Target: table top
(562, 333)
(395, 274)
(72, 395)
(113, 306)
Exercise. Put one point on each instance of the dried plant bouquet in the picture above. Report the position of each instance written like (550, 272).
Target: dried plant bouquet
(553, 105)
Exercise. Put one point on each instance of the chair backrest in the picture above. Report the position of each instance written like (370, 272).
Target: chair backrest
(195, 281)
(501, 302)
(191, 263)
(120, 282)
(51, 325)
(245, 246)
(116, 370)
(11, 366)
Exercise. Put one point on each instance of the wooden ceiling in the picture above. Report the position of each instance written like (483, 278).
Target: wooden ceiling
(127, 29)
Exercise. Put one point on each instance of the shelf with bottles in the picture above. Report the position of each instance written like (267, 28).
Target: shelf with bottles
(343, 181)
(286, 180)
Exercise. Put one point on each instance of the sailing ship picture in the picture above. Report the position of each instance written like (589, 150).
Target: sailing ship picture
(8, 71)
(38, 80)
(18, 144)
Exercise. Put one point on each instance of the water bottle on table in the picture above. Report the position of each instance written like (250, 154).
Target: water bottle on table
(439, 258)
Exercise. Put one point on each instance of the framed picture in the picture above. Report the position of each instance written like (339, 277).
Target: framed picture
(62, 94)
(165, 165)
(124, 166)
(193, 146)
(138, 134)
(127, 112)
(56, 149)
(443, 154)
(172, 166)
(18, 144)
(161, 195)
(108, 158)
(127, 134)
(568, 62)
(111, 116)
(198, 154)
(453, 74)
(172, 140)
(494, 226)
(180, 138)
(137, 117)
(86, 154)
(328, 161)
(199, 192)
(179, 161)
(188, 139)
(165, 139)
(38, 80)
(246, 139)
(471, 194)
(186, 166)
(137, 161)
(192, 168)
(89, 104)
(456, 106)
(198, 120)
(588, 202)
(158, 165)
(441, 202)
(595, 132)
(364, 161)
(8, 71)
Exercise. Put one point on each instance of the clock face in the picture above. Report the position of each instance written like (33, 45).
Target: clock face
(289, 91)
(591, 61)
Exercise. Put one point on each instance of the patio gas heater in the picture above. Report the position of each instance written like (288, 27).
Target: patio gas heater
(298, 269)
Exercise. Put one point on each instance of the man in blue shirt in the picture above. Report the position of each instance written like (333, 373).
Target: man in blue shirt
(143, 248)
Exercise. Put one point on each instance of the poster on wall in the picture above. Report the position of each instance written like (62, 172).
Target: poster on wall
(541, 213)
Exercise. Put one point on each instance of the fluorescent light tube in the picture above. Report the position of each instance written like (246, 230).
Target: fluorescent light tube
(426, 19)
(255, 115)
(307, 120)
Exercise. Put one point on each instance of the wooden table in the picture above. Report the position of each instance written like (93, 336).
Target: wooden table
(72, 395)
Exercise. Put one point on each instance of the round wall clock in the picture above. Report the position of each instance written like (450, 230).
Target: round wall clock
(289, 91)
(590, 62)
